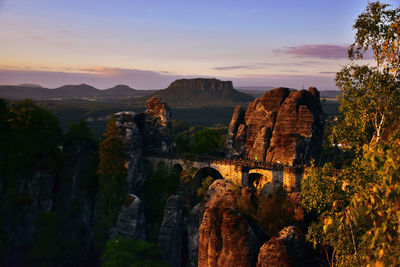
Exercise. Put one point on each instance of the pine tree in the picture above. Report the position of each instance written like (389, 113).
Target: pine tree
(112, 172)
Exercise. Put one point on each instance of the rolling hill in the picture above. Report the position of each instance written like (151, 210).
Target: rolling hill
(70, 91)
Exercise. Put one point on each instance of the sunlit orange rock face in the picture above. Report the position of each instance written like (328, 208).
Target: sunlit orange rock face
(283, 125)
(226, 239)
(160, 110)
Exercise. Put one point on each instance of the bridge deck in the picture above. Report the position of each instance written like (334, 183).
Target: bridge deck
(226, 161)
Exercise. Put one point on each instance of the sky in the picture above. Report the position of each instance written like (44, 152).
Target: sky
(147, 44)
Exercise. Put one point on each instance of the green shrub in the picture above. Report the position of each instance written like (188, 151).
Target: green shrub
(158, 188)
(124, 251)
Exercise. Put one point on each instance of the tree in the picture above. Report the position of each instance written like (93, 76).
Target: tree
(358, 206)
(112, 172)
(79, 131)
(370, 101)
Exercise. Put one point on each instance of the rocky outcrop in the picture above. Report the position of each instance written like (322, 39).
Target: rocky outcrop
(157, 128)
(133, 142)
(148, 131)
(282, 126)
(131, 221)
(288, 249)
(226, 239)
(159, 111)
(236, 133)
(171, 234)
(193, 223)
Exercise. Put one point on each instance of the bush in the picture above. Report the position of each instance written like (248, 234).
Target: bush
(271, 212)
(158, 188)
(124, 251)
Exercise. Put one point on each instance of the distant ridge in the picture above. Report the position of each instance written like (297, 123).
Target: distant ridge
(32, 85)
(202, 91)
(69, 91)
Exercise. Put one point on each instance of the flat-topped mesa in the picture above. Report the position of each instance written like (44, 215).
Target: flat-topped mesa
(283, 126)
(203, 84)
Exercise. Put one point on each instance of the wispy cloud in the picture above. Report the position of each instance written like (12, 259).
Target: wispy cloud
(239, 67)
(315, 50)
(327, 72)
(64, 31)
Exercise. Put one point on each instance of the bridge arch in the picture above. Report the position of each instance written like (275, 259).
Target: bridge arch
(177, 168)
(202, 174)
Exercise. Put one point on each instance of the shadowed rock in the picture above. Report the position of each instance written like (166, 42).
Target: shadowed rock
(171, 234)
(131, 221)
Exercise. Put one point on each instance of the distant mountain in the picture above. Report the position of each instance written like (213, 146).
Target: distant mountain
(70, 91)
(119, 90)
(73, 91)
(329, 93)
(30, 85)
(202, 92)
(21, 92)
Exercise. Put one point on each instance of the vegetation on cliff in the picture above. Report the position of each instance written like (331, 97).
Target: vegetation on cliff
(358, 204)
(112, 172)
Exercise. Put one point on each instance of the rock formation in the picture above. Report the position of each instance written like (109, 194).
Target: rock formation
(288, 249)
(171, 234)
(156, 131)
(193, 223)
(133, 142)
(282, 126)
(226, 239)
(131, 221)
(148, 131)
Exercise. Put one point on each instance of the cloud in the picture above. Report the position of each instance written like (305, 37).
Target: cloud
(100, 77)
(239, 67)
(315, 50)
(64, 31)
(327, 72)
(39, 37)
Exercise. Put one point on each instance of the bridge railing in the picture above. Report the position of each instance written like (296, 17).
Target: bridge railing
(226, 161)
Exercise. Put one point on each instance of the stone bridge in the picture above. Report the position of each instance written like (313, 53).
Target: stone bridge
(239, 171)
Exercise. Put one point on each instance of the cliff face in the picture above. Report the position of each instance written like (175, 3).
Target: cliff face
(225, 236)
(281, 126)
(148, 131)
(226, 239)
